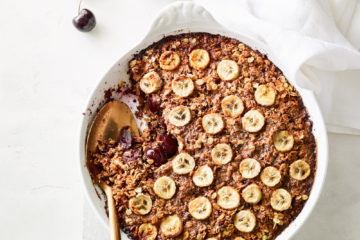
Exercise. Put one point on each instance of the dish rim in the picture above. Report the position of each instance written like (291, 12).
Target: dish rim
(185, 17)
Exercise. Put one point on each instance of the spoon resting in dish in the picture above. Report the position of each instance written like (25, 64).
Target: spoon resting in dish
(107, 124)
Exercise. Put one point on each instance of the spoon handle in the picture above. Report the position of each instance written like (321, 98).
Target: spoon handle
(113, 218)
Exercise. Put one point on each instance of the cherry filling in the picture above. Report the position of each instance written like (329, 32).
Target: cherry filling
(157, 154)
(125, 139)
(170, 144)
(154, 106)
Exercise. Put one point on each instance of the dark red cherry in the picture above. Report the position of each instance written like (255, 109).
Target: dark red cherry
(157, 154)
(125, 137)
(170, 144)
(154, 106)
(85, 21)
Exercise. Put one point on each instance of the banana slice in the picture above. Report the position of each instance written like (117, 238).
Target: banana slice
(199, 59)
(227, 70)
(253, 121)
(165, 187)
(280, 200)
(252, 194)
(203, 176)
(200, 208)
(141, 204)
(212, 123)
(171, 226)
(283, 141)
(232, 106)
(270, 176)
(228, 197)
(183, 163)
(180, 116)
(299, 170)
(150, 82)
(182, 86)
(147, 231)
(249, 168)
(245, 221)
(221, 154)
(169, 60)
(265, 95)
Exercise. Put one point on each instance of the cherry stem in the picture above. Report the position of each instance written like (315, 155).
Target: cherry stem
(79, 6)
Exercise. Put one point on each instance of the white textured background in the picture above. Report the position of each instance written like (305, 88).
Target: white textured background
(47, 70)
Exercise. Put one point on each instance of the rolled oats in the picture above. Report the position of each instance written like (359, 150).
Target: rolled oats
(130, 172)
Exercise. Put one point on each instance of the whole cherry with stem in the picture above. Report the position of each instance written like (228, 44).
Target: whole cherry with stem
(85, 20)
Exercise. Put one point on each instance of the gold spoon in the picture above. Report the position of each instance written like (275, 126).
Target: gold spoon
(107, 124)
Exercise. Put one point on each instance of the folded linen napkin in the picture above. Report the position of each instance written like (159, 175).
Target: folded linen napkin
(305, 36)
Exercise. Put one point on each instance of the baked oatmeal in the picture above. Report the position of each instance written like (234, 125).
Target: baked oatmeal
(228, 152)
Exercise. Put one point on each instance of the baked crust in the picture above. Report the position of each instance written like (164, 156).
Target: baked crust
(129, 171)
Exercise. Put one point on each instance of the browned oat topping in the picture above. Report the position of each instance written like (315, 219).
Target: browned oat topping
(228, 151)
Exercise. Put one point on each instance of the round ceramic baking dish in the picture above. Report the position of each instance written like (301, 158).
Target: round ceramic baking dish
(185, 17)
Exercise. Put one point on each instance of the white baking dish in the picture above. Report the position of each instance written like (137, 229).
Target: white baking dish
(184, 17)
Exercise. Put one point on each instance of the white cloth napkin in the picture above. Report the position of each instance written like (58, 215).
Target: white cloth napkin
(305, 36)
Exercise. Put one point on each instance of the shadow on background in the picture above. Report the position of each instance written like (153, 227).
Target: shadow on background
(336, 215)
